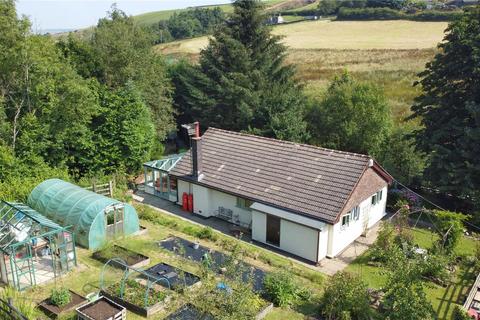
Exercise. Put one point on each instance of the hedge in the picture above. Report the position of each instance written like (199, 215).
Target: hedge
(391, 14)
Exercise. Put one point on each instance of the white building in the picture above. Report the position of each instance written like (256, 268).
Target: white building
(308, 201)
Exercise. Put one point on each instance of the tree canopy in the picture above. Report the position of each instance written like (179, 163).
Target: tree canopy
(353, 116)
(242, 82)
(449, 110)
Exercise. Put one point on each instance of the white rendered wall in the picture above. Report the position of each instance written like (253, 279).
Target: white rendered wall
(299, 240)
(340, 238)
(182, 187)
(295, 238)
(206, 202)
(259, 226)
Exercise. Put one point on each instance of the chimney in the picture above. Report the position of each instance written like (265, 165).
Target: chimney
(197, 153)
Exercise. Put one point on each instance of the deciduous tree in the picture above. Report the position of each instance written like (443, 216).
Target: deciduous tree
(353, 116)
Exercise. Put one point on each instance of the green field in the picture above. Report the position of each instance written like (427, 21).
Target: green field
(156, 16)
(387, 53)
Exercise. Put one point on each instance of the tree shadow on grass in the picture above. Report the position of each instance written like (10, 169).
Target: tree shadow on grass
(454, 292)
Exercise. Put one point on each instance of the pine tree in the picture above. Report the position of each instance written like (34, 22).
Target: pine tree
(449, 109)
(242, 82)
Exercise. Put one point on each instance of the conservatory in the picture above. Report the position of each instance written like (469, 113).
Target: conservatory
(157, 180)
(34, 249)
(94, 218)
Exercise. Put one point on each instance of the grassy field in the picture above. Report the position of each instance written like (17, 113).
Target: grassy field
(387, 53)
(341, 35)
(156, 16)
(443, 299)
(86, 277)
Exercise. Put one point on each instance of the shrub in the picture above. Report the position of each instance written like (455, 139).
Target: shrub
(25, 306)
(434, 267)
(345, 297)
(60, 297)
(281, 288)
(207, 233)
(384, 244)
(392, 14)
(459, 314)
(450, 225)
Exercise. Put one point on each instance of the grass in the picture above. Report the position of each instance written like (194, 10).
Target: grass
(389, 54)
(86, 277)
(341, 35)
(442, 299)
(150, 18)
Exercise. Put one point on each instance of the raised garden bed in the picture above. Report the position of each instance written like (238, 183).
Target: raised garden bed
(54, 311)
(190, 312)
(134, 297)
(173, 275)
(132, 258)
(177, 245)
(102, 309)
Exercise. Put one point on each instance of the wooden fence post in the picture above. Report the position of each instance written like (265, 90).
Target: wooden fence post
(110, 188)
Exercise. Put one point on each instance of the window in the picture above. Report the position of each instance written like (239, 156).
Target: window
(346, 220)
(173, 185)
(356, 213)
(377, 197)
(244, 203)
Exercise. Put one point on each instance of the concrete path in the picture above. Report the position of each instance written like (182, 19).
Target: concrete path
(327, 266)
(357, 248)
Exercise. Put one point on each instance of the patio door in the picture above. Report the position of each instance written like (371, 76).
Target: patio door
(273, 230)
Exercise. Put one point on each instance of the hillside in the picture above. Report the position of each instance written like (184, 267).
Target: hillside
(387, 53)
(270, 5)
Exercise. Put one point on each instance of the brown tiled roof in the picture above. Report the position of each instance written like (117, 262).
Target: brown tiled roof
(304, 179)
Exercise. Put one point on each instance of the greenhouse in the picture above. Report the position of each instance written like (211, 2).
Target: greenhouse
(94, 218)
(33, 249)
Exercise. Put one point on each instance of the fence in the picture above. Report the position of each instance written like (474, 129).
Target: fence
(9, 312)
(105, 189)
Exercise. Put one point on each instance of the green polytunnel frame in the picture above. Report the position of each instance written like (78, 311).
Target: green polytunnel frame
(94, 218)
(23, 231)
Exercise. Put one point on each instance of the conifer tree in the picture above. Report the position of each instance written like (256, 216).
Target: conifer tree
(242, 82)
(449, 109)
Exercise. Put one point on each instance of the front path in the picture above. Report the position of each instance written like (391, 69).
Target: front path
(327, 266)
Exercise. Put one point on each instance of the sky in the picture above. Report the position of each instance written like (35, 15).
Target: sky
(51, 15)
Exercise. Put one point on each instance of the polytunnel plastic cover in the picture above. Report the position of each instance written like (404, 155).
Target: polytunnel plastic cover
(83, 210)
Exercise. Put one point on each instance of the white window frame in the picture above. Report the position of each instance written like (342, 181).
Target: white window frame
(356, 213)
(377, 197)
(242, 203)
(344, 224)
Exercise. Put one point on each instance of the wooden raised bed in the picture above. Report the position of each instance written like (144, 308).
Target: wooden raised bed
(54, 311)
(133, 259)
(144, 312)
(102, 309)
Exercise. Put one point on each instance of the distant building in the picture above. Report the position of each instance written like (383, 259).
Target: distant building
(276, 19)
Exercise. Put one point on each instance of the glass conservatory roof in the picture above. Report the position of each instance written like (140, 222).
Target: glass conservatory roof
(164, 164)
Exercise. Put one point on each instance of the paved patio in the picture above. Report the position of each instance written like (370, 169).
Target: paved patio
(326, 266)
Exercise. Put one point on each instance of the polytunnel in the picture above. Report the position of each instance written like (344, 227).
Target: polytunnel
(93, 218)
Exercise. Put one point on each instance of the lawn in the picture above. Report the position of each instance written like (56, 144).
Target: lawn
(86, 278)
(442, 299)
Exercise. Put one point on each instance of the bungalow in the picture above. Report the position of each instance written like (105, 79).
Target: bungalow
(308, 201)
